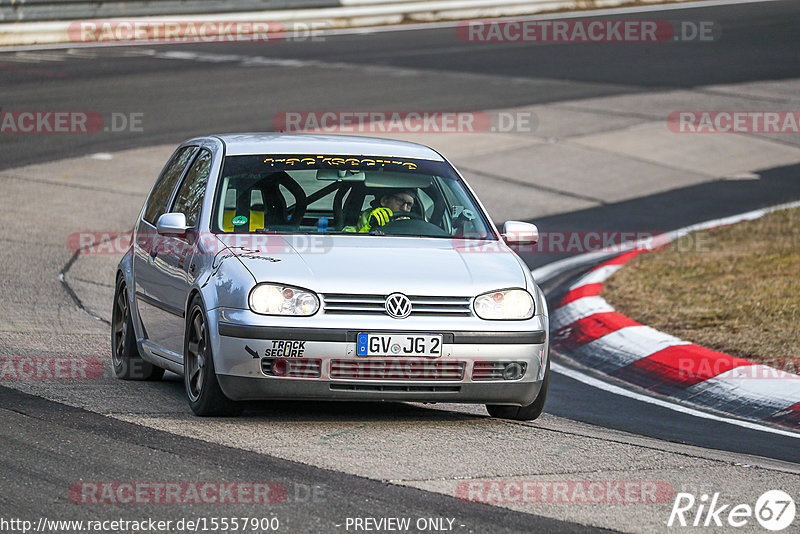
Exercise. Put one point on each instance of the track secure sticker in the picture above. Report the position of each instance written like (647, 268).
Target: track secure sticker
(239, 220)
(286, 349)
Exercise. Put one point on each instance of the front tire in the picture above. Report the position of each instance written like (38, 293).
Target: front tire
(199, 376)
(524, 413)
(128, 363)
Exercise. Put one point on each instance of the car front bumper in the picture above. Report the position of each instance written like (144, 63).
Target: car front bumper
(243, 388)
(240, 348)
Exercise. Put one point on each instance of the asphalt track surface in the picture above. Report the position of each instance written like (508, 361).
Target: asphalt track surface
(42, 439)
(59, 436)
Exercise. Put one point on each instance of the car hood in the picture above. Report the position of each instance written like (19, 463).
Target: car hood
(379, 264)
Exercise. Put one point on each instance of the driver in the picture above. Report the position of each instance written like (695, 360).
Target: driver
(393, 204)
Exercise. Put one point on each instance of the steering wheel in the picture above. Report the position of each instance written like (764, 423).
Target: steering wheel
(402, 215)
(409, 223)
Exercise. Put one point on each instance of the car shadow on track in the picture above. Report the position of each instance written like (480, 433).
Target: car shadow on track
(329, 411)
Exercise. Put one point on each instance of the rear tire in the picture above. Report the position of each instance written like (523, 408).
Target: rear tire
(199, 376)
(524, 413)
(128, 363)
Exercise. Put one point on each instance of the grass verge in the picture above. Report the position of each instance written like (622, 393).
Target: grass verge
(734, 289)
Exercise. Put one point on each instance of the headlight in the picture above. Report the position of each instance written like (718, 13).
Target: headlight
(274, 299)
(505, 304)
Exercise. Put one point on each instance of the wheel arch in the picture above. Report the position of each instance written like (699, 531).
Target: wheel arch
(125, 270)
(194, 292)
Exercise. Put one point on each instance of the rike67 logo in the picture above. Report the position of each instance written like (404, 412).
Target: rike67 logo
(774, 510)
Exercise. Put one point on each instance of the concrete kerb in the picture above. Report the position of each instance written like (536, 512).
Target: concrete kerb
(587, 330)
(351, 14)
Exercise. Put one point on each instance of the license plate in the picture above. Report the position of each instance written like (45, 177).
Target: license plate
(429, 346)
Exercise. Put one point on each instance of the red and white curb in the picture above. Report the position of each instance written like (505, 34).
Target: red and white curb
(586, 329)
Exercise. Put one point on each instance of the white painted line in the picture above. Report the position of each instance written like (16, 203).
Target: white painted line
(743, 176)
(599, 384)
(578, 309)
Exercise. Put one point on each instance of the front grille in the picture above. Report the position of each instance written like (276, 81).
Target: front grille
(291, 367)
(397, 369)
(374, 305)
(395, 388)
(483, 370)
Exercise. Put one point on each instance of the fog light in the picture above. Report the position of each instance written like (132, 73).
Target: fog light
(279, 367)
(513, 371)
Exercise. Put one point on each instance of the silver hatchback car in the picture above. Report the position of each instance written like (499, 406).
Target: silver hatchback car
(273, 266)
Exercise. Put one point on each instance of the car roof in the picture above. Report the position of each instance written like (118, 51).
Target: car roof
(280, 143)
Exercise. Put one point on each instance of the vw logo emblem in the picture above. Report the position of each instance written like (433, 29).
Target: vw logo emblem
(398, 306)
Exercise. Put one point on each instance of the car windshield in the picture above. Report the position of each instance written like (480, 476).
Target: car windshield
(334, 194)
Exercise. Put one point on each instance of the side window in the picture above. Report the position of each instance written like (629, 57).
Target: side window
(190, 196)
(162, 191)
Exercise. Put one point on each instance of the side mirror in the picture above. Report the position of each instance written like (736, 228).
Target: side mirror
(520, 233)
(172, 224)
